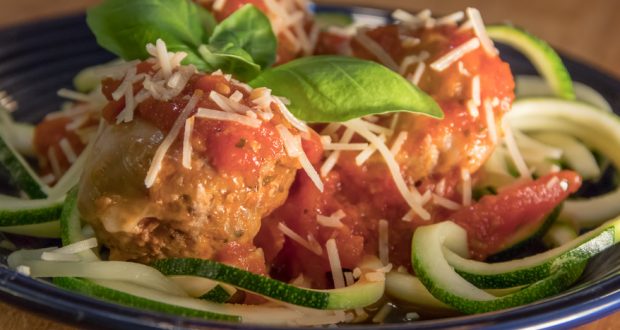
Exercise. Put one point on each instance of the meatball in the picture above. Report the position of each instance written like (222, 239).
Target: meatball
(237, 174)
(432, 157)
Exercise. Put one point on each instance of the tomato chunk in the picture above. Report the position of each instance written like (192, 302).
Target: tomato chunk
(492, 221)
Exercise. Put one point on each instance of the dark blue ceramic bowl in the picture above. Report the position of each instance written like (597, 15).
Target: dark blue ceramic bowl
(38, 59)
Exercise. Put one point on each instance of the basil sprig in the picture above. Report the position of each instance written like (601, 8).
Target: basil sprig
(241, 45)
(337, 88)
(320, 88)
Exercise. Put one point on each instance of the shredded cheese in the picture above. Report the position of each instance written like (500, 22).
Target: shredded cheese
(455, 54)
(67, 150)
(334, 263)
(331, 221)
(515, 153)
(398, 143)
(472, 108)
(363, 156)
(466, 187)
(227, 116)
(476, 20)
(298, 239)
(490, 119)
(162, 149)
(452, 19)
(54, 164)
(332, 159)
(75, 96)
(417, 74)
(412, 197)
(345, 146)
(445, 203)
(187, 143)
(376, 49)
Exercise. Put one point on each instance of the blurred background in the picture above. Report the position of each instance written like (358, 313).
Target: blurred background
(585, 30)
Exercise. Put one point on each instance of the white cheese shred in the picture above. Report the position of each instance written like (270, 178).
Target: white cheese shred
(227, 116)
(187, 142)
(455, 54)
(75, 96)
(466, 187)
(376, 49)
(332, 221)
(162, 149)
(491, 124)
(67, 150)
(298, 239)
(54, 164)
(398, 143)
(417, 74)
(445, 203)
(412, 197)
(515, 153)
(476, 20)
(334, 263)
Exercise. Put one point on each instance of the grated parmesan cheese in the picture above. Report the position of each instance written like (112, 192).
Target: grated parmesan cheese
(412, 197)
(398, 143)
(227, 116)
(162, 149)
(445, 203)
(376, 49)
(331, 221)
(417, 74)
(54, 164)
(515, 153)
(466, 192)
(298, 239)
(476, 20)
(455, 54)
(67, 150)
(187, 143)
(334, 263)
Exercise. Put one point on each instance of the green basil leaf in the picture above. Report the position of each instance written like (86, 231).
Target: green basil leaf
(230, 59)
(338, 88)
(126, 27)
(249, 29)
(208, 22)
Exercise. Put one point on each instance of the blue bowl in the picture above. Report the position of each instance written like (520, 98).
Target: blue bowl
(38, 59)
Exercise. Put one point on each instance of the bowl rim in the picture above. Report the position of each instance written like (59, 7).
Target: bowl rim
(572, 308)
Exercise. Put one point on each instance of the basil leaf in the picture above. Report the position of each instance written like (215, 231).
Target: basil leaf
(248, 29)
(338, 88)
(126, 27)
(230, 59)
(208, 22)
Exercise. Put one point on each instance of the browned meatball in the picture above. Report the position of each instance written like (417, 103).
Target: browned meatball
(238, 173)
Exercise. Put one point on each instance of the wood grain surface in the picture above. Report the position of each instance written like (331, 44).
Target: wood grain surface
(586, 30)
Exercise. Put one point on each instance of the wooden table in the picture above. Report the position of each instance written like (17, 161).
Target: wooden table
(587, 30)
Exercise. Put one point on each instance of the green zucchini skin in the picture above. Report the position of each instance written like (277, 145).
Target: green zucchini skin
(217, 294)
(21, 175)
(17, 212)
(557, 272)
(91, 289)
(243, 279)
(546, 61)
(361, 294)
